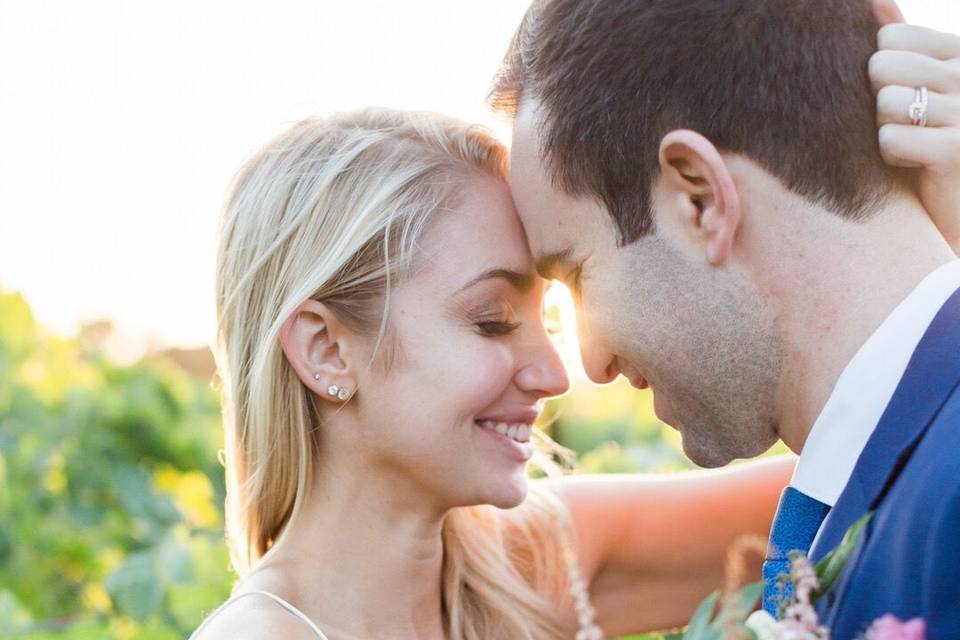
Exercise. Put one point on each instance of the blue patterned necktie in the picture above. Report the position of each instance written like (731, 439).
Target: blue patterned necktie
(795, 526)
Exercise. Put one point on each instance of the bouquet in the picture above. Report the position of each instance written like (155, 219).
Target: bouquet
(797, 619)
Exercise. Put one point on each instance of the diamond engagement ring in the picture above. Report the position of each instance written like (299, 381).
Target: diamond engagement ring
(918, 110)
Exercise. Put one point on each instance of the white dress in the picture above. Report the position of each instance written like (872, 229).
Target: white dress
(283, 603)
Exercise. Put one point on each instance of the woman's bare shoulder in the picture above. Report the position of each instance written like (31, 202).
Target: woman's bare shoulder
(255, 617)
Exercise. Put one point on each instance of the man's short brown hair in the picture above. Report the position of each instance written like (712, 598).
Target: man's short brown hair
(783, 82)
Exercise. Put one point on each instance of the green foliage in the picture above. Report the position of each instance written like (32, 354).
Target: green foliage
(832, 565)
(709, 623)
(100, 470)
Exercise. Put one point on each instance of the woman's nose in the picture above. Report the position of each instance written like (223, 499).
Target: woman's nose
(544, 374)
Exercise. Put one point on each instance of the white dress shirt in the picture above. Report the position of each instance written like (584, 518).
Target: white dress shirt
(866, 387)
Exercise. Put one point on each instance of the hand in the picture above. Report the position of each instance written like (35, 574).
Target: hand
(910, 57)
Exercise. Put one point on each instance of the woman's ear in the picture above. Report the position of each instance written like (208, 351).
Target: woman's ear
(316, 346)
(699, 196)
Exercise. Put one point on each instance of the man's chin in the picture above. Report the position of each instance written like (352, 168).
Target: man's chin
(707, 459)
(704, 452)
(712, 454)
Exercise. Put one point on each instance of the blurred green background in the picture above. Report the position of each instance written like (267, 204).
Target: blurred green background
(111, 493)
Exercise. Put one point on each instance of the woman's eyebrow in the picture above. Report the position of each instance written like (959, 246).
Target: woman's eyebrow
(522, 282)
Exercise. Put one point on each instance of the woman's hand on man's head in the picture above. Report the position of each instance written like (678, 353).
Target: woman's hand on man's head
(910, 57)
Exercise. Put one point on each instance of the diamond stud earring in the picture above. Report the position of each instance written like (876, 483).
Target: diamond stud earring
(316, 376)
(338, 392)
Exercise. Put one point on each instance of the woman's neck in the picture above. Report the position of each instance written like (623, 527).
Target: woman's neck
(358, 563)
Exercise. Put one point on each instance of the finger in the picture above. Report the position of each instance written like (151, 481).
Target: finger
(909, 69)
(909, 146)
(893, 107)
(908, 37)
(887, 12)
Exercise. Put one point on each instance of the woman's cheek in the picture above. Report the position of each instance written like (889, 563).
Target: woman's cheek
(483, 373)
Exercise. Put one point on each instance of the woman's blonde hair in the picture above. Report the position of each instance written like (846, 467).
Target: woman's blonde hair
(332, 210)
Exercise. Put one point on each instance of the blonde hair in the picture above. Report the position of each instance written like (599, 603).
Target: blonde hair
(332, 210)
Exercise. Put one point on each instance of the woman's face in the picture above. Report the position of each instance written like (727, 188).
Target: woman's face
(473, 359)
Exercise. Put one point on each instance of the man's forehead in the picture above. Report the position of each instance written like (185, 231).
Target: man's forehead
(527, 169)
(541, 204)
(538, 202)
(559, 226)
(526, 126)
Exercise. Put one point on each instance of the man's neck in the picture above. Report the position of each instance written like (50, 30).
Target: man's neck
(835, 290)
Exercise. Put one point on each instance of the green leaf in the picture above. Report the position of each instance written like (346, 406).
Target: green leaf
(174, 562)
(701, 618)
(744, 600)
(832, 565)
(14, 618)
(135, 586)
(137, 495)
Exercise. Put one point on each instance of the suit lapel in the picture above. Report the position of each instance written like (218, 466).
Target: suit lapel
(931, 375)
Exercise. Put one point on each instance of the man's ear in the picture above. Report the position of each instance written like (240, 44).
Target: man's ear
(699, 193)
(316, 345)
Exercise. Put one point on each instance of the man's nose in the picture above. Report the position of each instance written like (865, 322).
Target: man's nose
(598, 362)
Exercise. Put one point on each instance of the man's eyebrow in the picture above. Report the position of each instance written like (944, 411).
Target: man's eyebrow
(522, 282)
(548, 265)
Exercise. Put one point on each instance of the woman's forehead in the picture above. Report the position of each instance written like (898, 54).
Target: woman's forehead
(481, 231)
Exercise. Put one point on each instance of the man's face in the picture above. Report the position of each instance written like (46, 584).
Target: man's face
(655, 311)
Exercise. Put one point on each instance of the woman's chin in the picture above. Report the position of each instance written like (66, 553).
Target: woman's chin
(509, 495)
(501, 491)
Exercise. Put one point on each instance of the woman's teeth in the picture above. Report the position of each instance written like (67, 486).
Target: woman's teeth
(517, 432)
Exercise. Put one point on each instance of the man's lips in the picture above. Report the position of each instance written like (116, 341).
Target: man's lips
(636, 380)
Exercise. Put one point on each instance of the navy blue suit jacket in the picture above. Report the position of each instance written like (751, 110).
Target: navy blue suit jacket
(908, 560)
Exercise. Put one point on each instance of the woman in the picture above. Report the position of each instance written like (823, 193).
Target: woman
(358, 450)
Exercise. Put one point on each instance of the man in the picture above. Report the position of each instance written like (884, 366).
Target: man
(705, 176)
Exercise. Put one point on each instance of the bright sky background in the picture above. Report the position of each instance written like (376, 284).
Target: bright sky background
(122, 121)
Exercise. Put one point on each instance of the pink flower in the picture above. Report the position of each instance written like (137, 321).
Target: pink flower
(890, 628)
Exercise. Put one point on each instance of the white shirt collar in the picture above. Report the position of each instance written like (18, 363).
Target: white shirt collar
(866, 386)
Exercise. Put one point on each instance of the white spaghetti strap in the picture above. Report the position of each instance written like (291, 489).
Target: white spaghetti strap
(283, 603)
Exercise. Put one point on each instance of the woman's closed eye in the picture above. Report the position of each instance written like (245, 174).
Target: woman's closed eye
(495, 328)
(495, 320)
